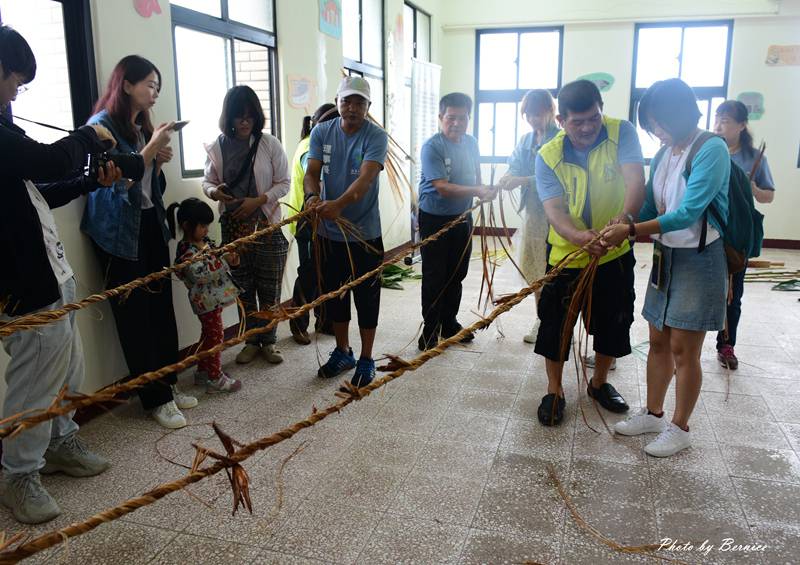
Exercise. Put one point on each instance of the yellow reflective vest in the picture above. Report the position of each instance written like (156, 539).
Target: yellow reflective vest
(602, 181)
(296, 195)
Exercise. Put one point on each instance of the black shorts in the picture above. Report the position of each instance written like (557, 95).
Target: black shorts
(612, 309)
(337, 270)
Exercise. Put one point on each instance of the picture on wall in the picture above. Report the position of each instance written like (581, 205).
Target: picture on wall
(330, 18)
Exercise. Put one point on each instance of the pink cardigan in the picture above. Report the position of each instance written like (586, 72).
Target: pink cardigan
(271, 169)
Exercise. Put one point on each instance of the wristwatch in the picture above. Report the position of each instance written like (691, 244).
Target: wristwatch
(631, 226)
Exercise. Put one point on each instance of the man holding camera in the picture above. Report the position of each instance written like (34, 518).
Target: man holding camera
(37, 276)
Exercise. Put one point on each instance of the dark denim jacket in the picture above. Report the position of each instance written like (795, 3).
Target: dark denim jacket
(112, 217)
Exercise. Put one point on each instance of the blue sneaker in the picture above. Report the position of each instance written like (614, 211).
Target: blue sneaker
(338, 363)
(365, 373)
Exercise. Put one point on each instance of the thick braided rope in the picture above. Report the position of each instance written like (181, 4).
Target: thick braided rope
(55, 537)
(36, 319)
(14, 426)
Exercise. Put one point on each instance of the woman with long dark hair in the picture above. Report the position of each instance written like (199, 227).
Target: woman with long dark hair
(247, 173)
(128, 227)
(688, 282)
(731, 125)
(306, 284)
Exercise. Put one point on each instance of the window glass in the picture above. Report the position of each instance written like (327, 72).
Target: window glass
(351, 43)
(48, 98)
(408, 37)
(252, 69)
(498, 61)
(538, 60)
(658, 55)
(423, 36)
(505, 128)
(486, 128)
(256, 13)
(372, 32)
(704, 53)
(210, 7)
(203, 63)
(376, 93)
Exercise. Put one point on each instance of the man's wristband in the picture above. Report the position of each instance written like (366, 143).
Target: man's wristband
(308, 195)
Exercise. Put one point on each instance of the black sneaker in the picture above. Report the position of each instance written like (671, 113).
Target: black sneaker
(608, 397)
(550, 412)
(453, 330)
(427, 340)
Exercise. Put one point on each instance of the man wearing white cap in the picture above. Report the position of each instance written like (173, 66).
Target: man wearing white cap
(345, 157)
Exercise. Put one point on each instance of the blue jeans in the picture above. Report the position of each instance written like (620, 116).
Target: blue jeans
(43, 360)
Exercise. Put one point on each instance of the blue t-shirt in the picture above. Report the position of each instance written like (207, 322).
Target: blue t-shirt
(763, 174)
(341, 157)
(629, 151)
(457, 163)
(522, 162)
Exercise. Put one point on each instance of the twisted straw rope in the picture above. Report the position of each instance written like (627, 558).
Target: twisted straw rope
(16, 425)
(36, 319)
(55, 537)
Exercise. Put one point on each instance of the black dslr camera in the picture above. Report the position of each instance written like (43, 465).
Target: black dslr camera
(131, 164)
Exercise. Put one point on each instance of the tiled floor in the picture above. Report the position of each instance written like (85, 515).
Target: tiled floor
(448, 464)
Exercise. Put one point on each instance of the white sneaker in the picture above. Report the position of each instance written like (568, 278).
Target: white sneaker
(669, 442)
(169, 416)
(183, 401)
(531, 337)
(640, 423)
(223, 383)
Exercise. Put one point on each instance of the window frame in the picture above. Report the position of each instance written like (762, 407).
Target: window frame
(494, 96)
(232, 31)
(415, 9)
(81, 66)
(364, 69)
(703, 93)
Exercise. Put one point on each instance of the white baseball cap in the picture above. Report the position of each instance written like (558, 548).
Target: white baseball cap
(353, 85)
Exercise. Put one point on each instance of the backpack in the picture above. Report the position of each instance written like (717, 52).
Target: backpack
(743, 229)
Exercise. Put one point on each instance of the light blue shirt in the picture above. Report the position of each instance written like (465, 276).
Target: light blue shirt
(522, 162)
(457, 163)
(711, 170)
(341, 157)
(763, 176)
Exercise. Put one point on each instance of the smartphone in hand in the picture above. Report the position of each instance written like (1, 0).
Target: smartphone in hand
(180, 125)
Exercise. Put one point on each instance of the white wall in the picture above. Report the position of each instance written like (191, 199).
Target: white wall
(118, 31)
(598, 37)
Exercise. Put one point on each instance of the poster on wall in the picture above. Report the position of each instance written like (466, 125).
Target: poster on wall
(754, 102)
(330, 18)
(301, 92)
(781, 55)
(603, 81)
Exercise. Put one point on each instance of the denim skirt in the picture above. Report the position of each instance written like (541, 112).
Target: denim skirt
(692, 289)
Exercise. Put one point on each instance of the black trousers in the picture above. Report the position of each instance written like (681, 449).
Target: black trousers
(734, 311)
(306, 285)
(445, 263)
(145, 320)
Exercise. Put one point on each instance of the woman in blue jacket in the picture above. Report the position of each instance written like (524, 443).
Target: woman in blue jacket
(688, 283)
(128, 227)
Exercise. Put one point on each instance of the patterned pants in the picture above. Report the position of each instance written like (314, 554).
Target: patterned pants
(259, 275)
(211, 336)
